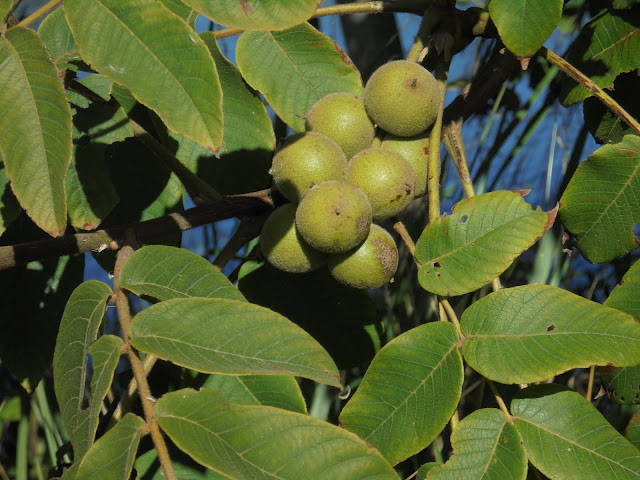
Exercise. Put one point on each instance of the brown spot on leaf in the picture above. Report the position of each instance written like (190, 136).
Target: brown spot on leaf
(246, 8)
(551, 328)
(522, 192)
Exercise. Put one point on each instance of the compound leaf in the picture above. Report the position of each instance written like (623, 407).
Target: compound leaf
(35, 128)
(531, 333)
(294, 68)
(216, 335)
(485, 446)
(466, 250)
(256, 15)
(409, 392)
(162, 272)
(524, 25)
(143, 46)
(601, 204)
(231, 439)
(565, 437)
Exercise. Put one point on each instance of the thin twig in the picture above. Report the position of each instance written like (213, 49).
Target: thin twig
(592, 371)
(499, 399)
(41, 12)
(123, 405)
(248, 229)
(406, 238)
(124, 316)
(451, 314)
(591, 86)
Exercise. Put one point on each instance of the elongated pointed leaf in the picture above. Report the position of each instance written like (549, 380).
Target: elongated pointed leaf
(524, 25)
(163, 272)
(247, 442)
(531, 333)
(216, 335)
(142, 45)
(294, 68)
(566, 438)
(55, 33)
(112, 456)
(35, 128)
(78, 330)
(257, 15)
(485, 446)
(280, 391)
(609, 44)
(409, 392)
(465, 251)
(623, 384)
(601, 204)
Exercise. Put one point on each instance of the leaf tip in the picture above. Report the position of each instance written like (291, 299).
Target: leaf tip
(524, 62)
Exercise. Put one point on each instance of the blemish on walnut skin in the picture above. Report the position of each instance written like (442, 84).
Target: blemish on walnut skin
(385, 256)
(362, 223)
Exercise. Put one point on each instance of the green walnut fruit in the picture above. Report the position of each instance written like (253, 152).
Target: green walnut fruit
(370, 265)
(402, 98)
(414, 150)
(386, 178)
(304, 160)
(334, 217)
(341, 116)
(282, 245)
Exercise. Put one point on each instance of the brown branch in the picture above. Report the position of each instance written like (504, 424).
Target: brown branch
(250, 204)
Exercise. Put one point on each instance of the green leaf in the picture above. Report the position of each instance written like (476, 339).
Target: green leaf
(343, 320)
(148, 467)
(55, 34)
(485, 446)
(531, 333)
(409, 392)
(270, 390)
(566, 438)
(524, 25)
(216, 335)
(623, 384)
(601, 204)
(78, 329)
(294, 68)
(424, 470)
(232, 439)
(122, 39)
(186, 13)
(9, 206)
(35, 128)
(464, 251)
(112, 456)
(624, 4)
(257, 15)
(606, 126)
(608, 45)
(632, 432)
(163, 272)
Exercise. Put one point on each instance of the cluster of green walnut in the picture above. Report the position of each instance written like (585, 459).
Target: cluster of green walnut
(338, 183)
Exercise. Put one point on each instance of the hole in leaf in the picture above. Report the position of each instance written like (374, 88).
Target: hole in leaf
(551, 328)
(464, 219)
(438, 274)
(622, 398)
(436, 264)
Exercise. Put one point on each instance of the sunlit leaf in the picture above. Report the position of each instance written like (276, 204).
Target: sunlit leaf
(608, 45)
(524, 25)
(623, 384)
(294, 68)
(78, 329)
(281, 391)
(485, 446)
(163, 272)
(55, 33)
(232, 440)
(216, 335)
(136, 44)
(180, 8)
(35, 128)
(565, 437)
(466, 250)
(531, 333)
(256, 15)
(409, 392)
(601, 204)
(112, 456)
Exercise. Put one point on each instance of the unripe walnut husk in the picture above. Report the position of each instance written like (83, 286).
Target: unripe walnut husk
(342, 117)
(402, 98)
(369, 265)
(334, 217)
(386, 178)
(414, 150)
(282, 245)
(304, 160)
